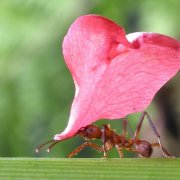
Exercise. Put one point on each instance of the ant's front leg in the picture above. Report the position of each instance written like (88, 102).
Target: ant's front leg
(82, 146)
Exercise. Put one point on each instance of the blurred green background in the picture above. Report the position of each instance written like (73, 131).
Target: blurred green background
(36, 88)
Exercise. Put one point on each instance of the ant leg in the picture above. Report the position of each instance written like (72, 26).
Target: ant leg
(164, 151)
(138, 128)
(82, 146)
(130, 130)
(136, 134)
(155, 145)
(167, 154)
(133, 150)
(124, 128)
(127, 128)
(119, 150)
(104, 140)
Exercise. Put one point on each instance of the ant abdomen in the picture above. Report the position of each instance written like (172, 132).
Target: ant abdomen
(144, 148)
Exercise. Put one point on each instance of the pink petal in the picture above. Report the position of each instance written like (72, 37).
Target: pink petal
(114, 74)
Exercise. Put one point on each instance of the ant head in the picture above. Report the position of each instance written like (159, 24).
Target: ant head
(144, 148)
(90, 132)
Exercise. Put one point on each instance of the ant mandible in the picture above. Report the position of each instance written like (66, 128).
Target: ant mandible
(111, 139)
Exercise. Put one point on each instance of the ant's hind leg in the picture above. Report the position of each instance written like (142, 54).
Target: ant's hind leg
(138, 128)
(165, 152)
(136, 134)
(82, 146)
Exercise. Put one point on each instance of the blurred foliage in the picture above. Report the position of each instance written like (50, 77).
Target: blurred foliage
(36, 88)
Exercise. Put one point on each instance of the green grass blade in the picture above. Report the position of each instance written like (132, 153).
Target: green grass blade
(50, 168)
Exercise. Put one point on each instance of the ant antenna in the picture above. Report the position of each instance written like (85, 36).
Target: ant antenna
(52, 145)
(44, 144)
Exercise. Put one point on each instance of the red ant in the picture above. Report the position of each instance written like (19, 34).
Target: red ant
(111, 139)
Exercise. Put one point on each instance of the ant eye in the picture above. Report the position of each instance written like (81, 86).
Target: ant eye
(91, 130)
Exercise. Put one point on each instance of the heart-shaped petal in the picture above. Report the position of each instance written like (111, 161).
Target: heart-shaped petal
(114, 74)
